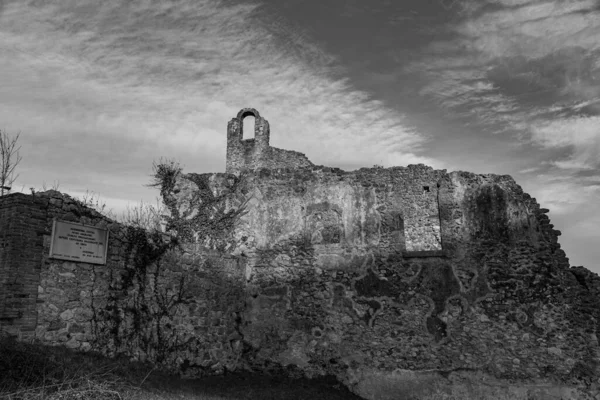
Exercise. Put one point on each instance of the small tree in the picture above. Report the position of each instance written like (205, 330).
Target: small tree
(10, 158)
(164, 177)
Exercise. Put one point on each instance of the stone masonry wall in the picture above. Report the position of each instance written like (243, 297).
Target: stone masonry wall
(498, 314)
(402, 282)
(150, 301)
(279, 158)
(394, 209)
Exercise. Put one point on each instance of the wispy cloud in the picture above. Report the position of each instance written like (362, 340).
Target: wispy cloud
(535, 28)
(562, 195)
(169, 75)
(527, 68)
(580, 135)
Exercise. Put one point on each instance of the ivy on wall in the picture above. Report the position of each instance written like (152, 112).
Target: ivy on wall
(145, 293)
(138, 307)
(213, 222)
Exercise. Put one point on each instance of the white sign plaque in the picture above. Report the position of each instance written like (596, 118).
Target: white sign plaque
(78, 242)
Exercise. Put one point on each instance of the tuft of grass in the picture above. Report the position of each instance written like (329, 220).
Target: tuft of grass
(33, 371)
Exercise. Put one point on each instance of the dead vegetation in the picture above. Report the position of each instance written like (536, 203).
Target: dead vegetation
(35, 372)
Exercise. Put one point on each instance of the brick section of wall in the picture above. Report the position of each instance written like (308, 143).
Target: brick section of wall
(22, 223)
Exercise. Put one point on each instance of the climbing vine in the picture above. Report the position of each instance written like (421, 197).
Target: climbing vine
(129, 318)
(208, 219)
(152, 290)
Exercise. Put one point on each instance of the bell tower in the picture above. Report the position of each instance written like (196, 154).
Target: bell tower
(247, 153)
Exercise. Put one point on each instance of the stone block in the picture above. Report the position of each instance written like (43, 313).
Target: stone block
(67, 315)
(56, 325)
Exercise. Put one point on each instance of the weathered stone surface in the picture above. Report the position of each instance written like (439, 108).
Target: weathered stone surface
(256, 152)
(482, 304)
(404, 281)
(402, 384)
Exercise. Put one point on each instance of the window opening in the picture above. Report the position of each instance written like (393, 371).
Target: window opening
(248, 127)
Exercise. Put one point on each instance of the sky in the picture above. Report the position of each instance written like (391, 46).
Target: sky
(100, 90)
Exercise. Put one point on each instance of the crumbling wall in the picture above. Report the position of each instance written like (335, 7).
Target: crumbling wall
(458, 290)
(153, 299)
(254, 153)
(392, 209)
(332, 288)
(279, 158)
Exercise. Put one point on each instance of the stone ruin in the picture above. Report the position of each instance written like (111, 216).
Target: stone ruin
(403, 282)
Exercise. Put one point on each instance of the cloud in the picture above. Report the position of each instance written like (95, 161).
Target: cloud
(169, 75)
(569, 195)
(529, 69)
(549, 43)
(535, 29)
(590, 226)
(580, 135)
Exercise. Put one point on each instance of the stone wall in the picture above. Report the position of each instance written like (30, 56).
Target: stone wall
(404, 281)
(333, 287)
(151, 300)
(279, 158)
(392, 209)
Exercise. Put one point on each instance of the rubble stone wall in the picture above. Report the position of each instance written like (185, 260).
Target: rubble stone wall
(333, 287)
(161, 306)
(404, 281)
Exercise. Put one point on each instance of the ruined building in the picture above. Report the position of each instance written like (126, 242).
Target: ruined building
(256, 153)
(403, 282)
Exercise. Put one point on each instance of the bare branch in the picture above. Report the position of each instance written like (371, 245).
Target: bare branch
(92, 200)
(145, 215)
(9, 159)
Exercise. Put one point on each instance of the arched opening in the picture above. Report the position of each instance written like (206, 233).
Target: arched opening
(248, 127)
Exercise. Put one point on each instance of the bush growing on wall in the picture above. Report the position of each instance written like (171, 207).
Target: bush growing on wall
(213, 223)
(157, 289)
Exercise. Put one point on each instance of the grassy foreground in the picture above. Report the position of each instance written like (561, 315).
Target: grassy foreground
(29, 371)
